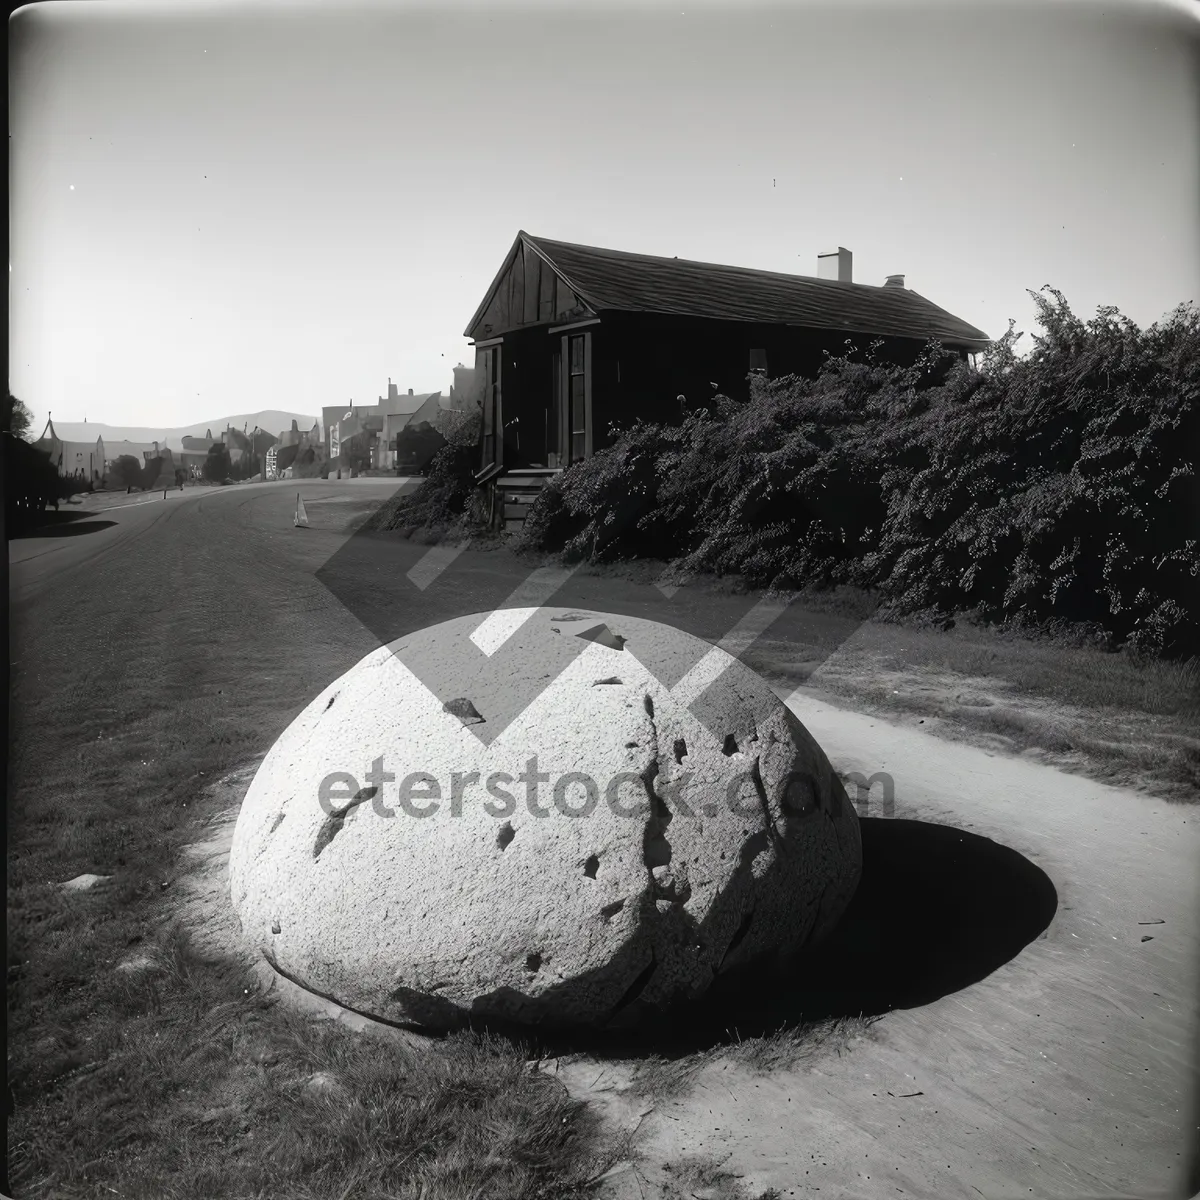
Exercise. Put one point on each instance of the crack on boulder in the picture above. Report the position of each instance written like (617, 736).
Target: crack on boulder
(275, 926)
(753, 846)
(670, 885)
(275, 824)
(506, 835)
(571, 616)
(591, 866)
(533, 963)
(336, 819)
(656, 850)
(729, 747)
(610, 910)
(636, 988)
(330, 704)
(764, 802)
(610, 679)
(738, 938)
(464, 710)
(603, 636)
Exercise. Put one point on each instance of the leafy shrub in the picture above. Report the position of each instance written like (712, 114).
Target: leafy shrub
(1061, 487)
(1055, 488)
(442, 499)
(599, 508)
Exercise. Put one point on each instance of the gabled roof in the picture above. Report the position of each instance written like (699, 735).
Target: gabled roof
(395, 423)
(615, 280)
(401, 404)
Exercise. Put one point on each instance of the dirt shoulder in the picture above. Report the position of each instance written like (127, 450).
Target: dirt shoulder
(1068, 1068)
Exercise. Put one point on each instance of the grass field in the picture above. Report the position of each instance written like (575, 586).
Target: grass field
(1117, 718)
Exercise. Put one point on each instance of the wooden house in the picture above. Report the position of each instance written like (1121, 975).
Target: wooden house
(572, 340)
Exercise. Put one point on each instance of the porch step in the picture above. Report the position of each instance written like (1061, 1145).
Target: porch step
(515, 493)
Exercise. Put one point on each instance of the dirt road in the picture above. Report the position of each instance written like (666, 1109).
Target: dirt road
(1072, 1069)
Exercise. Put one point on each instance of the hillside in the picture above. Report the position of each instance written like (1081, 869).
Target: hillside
(273, 420)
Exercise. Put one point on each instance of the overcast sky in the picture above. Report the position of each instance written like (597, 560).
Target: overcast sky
(221, 208)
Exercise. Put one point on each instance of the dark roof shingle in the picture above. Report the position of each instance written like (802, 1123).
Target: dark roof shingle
(616, 280)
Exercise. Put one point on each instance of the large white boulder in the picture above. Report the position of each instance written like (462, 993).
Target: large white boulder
(678, 821)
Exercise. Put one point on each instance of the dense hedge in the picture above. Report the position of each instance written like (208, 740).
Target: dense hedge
(442, 500)
(31, 484)
(1057, 487)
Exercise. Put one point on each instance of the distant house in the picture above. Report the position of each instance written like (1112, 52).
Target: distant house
(290, 437)
(396, 423)
(77, 460)
(378, 425)
(300, 453)
(464, 391)
(571, 339)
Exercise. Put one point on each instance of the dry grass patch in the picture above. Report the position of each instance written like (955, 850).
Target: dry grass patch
(1123, 719)
(789, 1047)
(703, 1177)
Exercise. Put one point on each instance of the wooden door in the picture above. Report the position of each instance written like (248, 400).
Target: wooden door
(487, 363)
(554, 418)
(577, 361)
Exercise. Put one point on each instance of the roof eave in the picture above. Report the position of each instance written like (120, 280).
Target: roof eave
(977, 340)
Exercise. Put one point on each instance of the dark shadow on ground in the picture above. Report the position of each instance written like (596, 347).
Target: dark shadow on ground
(938, 909)
(60, 524)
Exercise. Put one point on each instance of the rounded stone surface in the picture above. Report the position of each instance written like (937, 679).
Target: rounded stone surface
(592, 827)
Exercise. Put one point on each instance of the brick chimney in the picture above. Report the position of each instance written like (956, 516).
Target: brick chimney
(896, 281)
(836, 264)
(410, 392)
(393, 391)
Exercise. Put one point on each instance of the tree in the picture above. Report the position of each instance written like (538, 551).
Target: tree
(126, 471)
(356, 452)
(30, 482)
(216, 465)
(416, 446)
(151, 472)
(16, 417)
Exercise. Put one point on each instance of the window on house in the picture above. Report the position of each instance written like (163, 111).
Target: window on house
(577, 384)
(553, 416)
